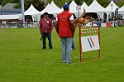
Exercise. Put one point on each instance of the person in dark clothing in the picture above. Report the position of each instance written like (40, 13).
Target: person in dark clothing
(105, 17)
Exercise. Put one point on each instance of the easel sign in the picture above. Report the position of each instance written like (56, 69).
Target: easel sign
(89, 39)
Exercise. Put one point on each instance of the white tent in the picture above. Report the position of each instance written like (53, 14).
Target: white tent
(72, 7)
(45, 9)
(121, 9)
(61, 9)
(95, 7)
(31, 11)
(51, 9)
(111, 7)
(84, 6)
(9, 17)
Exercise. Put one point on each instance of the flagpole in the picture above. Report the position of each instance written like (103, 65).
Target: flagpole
(22, 10)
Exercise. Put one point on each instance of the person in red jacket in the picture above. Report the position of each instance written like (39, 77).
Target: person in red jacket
(46, 27)
(65, 30)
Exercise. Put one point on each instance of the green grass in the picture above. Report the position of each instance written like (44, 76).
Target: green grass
(23, 60)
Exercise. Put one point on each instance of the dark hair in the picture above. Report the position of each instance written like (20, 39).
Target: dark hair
(45, 13)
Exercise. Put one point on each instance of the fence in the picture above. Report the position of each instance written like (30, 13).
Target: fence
(5, 24)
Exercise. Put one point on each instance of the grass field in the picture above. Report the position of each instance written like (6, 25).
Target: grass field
(23, 60)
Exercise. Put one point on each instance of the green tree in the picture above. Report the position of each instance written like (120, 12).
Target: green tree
(3, 2)
(15, 1)
(40, 5)
(88, 2)
(36, 3)
(103, 3)
(120, 3)
(78, 2)
(59, 3)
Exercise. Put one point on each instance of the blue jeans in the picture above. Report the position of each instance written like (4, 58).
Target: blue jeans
(66, 49)
(44, 35)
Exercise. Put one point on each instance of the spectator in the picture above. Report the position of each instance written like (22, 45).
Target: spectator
(105, 17)
(46, 30)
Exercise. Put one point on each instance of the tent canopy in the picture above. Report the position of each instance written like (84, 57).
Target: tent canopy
(84, 6)
(111, 7)
(95, 7)
(51, 8)
(9, 17)
(121, 9)
(72, 7)
(31, 11)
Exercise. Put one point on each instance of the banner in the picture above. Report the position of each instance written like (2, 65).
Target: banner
(90, 43)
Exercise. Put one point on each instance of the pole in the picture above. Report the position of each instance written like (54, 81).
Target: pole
(112, 11)
(22, 10)
(80, 43)
(99, 41)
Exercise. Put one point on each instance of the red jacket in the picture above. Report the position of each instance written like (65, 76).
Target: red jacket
(46, 25)
(64, 25)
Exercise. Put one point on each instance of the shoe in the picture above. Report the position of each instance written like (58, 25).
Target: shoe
(50, 48)
(41, 38)
(43, 48)
(72, 48)
(68, 62)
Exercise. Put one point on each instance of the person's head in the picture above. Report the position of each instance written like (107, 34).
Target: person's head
(66, 7)
(45, 15)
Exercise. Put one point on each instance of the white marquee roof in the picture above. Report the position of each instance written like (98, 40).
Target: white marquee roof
(121, 9)
(9, 17)
(84, 6)
(51, 8)
(95, 7)
(111, 7)
(72, 7)
(31, 11)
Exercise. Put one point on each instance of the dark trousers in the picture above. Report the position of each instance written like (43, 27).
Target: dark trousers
(44, 35)
(73, 47)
